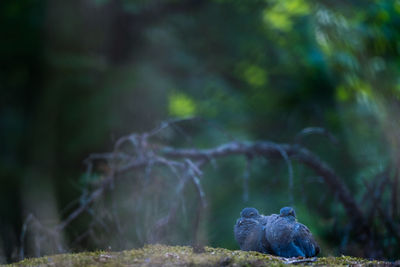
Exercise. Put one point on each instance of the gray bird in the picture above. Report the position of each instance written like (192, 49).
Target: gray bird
(288, 238)
(250, 232)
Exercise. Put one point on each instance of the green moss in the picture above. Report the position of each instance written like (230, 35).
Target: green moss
(157, 255)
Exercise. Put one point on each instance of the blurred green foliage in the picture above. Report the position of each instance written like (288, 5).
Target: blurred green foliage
(76, 75)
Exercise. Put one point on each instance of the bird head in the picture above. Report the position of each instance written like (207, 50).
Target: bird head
(249, 213)
(287, 211)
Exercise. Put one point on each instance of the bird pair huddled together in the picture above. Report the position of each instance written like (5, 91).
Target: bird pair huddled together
(280, 235)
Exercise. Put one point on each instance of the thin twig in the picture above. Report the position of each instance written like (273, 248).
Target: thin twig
(315, 130)
(165, 124)
(246, 176)
(375, 193)
(290, 171)
(297, 261)
(200, 190)
(395, 186)
(23, 234)
(393, 227)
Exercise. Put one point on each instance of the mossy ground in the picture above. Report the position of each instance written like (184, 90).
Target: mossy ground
(161, 255)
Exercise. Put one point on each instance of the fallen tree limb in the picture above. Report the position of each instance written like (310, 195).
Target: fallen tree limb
(270, 149)
(188, 163)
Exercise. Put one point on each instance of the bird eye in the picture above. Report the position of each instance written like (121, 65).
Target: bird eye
(251, 213)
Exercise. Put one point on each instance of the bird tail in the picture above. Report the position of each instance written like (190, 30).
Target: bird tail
(307, 246)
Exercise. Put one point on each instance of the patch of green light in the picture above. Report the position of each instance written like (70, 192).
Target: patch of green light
(361, 87)
(277, 20)
(281, 13)
(396, 6)
(255, 76)
(342, 94)
(383, 16)
(296, 7)
(180, 105)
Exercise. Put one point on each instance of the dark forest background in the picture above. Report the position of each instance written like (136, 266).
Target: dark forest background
(77, 75)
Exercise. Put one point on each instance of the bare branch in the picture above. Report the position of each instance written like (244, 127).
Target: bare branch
(32, 220)
(270, 149)
(194, 167)
(200, 190)
(375, 193)
(395, 186)
(132, 138)
(290, 170)
(168, 123)
(22, 237)
(315, 130)
(94, 196)
(246, 176)
(297, 261)
(393, 227)
(194, 172)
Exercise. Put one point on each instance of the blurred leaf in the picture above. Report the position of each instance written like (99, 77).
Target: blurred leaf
(180, 105)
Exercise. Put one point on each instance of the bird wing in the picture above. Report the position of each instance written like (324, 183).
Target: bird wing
(303, 238)
(278, 233)
(249, 234)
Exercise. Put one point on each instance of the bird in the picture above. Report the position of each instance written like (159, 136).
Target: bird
(250, 232)
(288, 238)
